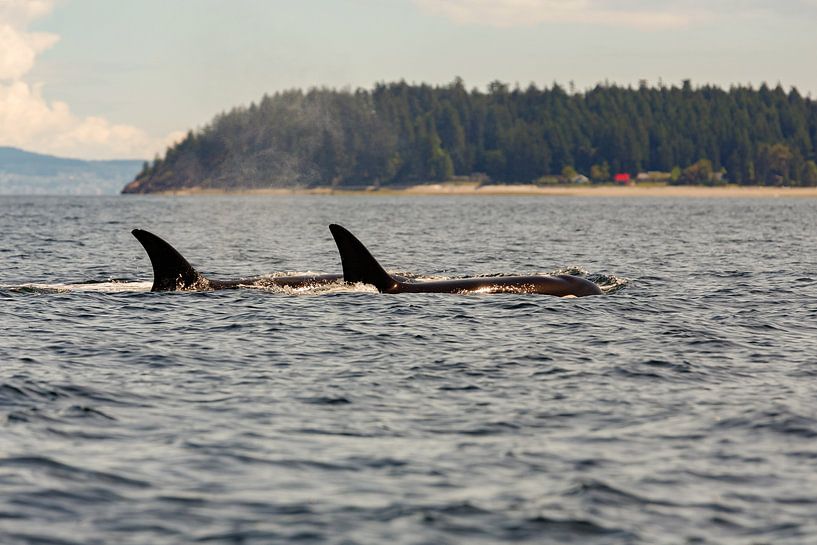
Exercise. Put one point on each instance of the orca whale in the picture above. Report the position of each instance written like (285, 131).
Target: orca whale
(172, 272)
(359, 266)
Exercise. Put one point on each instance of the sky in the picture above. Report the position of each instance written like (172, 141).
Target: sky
(103, 79)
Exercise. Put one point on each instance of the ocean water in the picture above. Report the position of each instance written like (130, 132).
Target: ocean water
(677, 408)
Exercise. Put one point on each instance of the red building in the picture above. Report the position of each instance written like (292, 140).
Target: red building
(622, 178)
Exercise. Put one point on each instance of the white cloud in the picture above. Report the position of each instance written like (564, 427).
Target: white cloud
(636, 14)
(29, 121)
(22, 12)
(512, 13)
(18, 50)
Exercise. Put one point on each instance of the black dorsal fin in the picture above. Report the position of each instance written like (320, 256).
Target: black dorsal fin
(358, 263)
(171, 271)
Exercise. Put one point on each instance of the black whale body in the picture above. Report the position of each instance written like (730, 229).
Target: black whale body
(360, 266)
(172, 272)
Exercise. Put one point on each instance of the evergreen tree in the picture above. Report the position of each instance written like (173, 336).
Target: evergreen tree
(399, 133)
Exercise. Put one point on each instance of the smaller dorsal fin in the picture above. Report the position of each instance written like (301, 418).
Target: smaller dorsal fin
(358, 264)
(171, 271)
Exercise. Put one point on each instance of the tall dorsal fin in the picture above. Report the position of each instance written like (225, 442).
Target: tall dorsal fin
(171, 271)
(358, 263)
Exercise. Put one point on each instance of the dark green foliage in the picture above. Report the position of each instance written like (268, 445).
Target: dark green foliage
(809, 174)
(775, 164)
(400, 134)
(698, 173)
(600, 173)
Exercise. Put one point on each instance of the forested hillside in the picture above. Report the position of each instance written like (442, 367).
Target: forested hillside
(402, 133)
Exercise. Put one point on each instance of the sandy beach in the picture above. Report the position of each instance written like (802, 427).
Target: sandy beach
(698, 192)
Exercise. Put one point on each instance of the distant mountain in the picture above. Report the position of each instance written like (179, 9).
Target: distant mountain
(26, 173)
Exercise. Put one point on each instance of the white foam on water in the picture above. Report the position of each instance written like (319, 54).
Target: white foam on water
(95, 287)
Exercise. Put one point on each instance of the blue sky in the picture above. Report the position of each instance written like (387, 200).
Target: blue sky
(105, 78)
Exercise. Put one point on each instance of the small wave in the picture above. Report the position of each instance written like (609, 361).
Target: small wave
(327, 400)
(340, 433)
(33, 288)
(81, 411)
(93, 286)
(318, 288)
(27, 538)
(660, 369)
(256, 536)
(464, 518)
(567, 528)
(520, 305)
(606, 494)
(12, 394)
(572, 271)
(31, 395)
(61, 470)
(779, 420)
(463, 388)
(608, 283)
(481, 429)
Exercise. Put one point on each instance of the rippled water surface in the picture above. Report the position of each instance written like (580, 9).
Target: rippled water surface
(679, 407)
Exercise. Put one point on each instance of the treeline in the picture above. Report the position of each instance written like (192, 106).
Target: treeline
(400, 133)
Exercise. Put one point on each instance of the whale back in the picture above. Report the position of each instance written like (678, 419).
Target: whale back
(171, 271)
(358, 264)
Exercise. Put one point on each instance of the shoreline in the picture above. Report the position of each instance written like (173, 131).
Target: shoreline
(473, 189)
